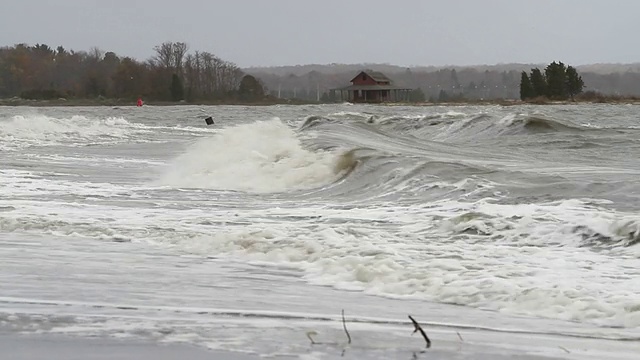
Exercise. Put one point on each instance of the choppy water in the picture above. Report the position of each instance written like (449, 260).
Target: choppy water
(146, 222)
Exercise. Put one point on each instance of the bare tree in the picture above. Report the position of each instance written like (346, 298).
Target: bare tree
(178, 53)
(95, 55)
(164, 55)
(170, 55)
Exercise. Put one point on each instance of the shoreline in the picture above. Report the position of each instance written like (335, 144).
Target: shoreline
(117, 103)
(478, 345)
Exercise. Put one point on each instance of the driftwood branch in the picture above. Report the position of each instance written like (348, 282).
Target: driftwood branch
(417, 327)
(309, 333)
(344, 325)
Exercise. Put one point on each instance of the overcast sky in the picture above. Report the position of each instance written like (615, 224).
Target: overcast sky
(291, 32)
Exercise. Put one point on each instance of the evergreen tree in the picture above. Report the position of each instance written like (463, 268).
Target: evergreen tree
(555, 74)
(526, 88)
(250, 89)
(574, 83)
(417, 95)
(454, 79)
(558, 82)
(177, 91)
(538, 83)
(443, 96)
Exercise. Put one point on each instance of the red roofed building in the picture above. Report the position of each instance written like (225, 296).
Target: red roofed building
(372, 87)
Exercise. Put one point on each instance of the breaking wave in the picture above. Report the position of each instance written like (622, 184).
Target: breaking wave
(22, 131)
(261, 157)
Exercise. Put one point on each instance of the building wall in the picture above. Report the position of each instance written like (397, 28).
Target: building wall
(371, 96)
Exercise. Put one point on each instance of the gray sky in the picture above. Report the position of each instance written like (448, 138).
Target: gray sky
(291, 32)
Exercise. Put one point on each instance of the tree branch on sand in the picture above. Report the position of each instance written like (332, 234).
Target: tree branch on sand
(344, 326)
(309, 333)
(417, 327)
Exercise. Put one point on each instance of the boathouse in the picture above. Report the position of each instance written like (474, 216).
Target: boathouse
(371, 87)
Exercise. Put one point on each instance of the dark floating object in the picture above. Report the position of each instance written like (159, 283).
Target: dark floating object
(209, 120)
(417, 327)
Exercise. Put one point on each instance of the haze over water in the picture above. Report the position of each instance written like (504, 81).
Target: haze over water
(504, 224)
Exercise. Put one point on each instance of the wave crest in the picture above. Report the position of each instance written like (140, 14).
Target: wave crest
(261, 157)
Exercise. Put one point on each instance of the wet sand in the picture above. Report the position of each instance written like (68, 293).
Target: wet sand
(58, 347)
(61, 347)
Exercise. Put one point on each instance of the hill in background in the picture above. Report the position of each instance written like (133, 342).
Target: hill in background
(501, 81)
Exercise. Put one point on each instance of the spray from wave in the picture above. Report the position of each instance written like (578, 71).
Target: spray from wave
(22, 131)
(261, 157)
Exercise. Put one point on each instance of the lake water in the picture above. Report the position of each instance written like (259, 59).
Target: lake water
(517, 227)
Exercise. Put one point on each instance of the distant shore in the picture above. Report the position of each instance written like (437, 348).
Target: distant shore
(267, 102)
(121, 102)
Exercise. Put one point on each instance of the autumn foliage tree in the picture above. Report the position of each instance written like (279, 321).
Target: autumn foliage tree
(40, 72)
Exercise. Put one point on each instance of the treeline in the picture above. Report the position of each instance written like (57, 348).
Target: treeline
(173, 74)
(435, 86)
(559, 82)
(312, 82)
